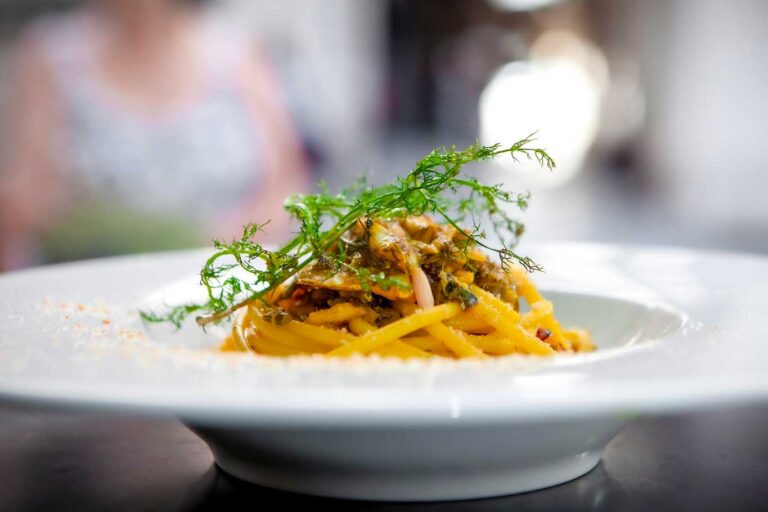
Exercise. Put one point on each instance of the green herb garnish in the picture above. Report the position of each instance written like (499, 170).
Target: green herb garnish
(435, 186)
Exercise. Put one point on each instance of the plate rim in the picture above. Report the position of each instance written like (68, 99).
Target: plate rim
(419, 411)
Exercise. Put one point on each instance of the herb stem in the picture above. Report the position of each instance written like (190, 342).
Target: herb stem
(433, 186)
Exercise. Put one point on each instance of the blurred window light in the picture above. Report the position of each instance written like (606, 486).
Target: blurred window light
(563, 44)
(557, 94)
(522, 5)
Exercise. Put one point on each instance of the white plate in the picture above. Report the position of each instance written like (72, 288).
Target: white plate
(677, 329)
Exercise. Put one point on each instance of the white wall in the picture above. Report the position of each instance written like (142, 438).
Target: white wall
(709, 109)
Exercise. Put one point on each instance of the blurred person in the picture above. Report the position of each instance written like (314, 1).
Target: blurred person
(139, 125)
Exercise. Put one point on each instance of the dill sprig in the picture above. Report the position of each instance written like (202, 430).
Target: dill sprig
(435, 186)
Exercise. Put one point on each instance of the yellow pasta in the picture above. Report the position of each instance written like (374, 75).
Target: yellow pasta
(430, 345)
(283, 336)
(336, 314)
(511, 330)
(360, 326)
(493, 344)
(463, 307)
(468, 322)
(326, 336)
(580, 339)
(229, 345)
(525, 287)
(454, 340)
(402, 350)
(541, 316)
(238, 336)
(427, 343)
(504, 308)
(541, 311)
(375, 339)
(270, 347)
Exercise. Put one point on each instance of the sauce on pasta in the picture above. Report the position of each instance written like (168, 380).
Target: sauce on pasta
(436, 295)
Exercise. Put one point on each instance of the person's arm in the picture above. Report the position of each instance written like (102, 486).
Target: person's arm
(30, 185)
(284, 162)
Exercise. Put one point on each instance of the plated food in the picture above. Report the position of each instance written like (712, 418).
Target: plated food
(443, 300)
(674, 336)
(392, 270)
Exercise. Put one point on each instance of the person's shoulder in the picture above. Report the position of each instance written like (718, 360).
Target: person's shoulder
(60, 37)
(64, 28)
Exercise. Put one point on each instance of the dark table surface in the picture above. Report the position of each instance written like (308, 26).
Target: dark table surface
(713, 460)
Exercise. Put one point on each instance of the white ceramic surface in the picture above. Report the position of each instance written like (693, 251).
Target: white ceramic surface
(677, 329)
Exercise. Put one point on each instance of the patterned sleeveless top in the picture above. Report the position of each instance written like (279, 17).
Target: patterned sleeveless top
(184, 168)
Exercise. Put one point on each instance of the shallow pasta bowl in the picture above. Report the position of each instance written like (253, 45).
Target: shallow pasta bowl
(676, 330)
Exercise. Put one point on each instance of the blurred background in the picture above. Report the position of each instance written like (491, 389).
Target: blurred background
(140, 125)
